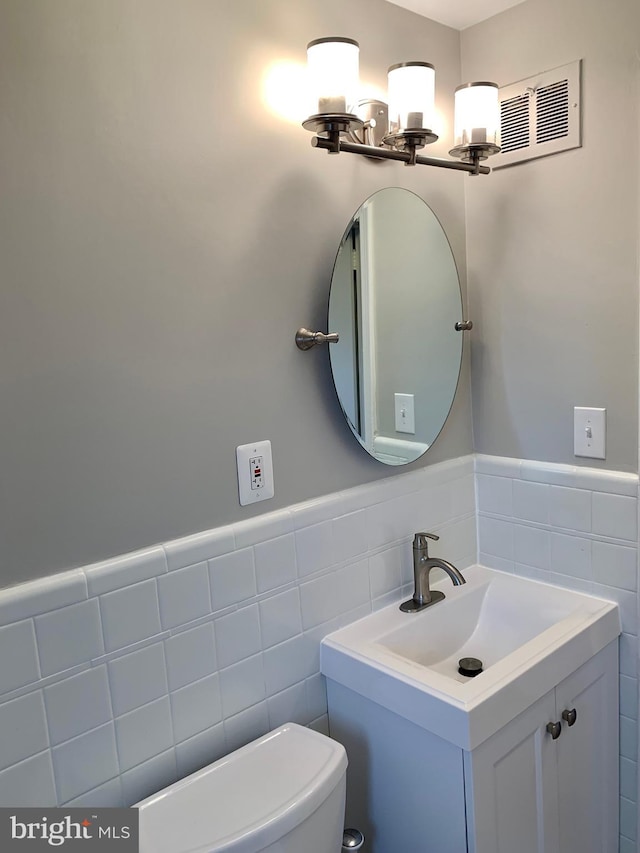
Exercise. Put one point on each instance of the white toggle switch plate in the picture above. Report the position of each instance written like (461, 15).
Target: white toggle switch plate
(589, 432)
(255, 472)
(405, 413)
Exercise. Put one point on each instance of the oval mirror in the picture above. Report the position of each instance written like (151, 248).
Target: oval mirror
(394, 300)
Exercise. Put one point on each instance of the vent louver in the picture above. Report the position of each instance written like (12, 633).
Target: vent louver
(514, 123)
(552, 111)
(540, 115)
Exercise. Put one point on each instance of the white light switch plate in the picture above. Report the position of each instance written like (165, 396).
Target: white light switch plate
(405, 413)
(589, 432)
(255, 472)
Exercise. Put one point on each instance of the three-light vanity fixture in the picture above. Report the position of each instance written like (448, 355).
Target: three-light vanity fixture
(397, 130)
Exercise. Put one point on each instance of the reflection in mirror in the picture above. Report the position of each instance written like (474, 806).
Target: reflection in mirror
(395, 299)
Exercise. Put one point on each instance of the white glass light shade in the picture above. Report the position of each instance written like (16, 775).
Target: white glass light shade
(411, 91)
(477, 115)
(333, 69)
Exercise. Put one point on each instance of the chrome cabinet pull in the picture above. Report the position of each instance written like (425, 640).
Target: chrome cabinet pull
(570, 716)
(554, 729)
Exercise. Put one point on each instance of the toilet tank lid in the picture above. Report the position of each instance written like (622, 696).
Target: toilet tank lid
(246, 800)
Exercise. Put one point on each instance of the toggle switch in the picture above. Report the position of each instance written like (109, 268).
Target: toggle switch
(405, 413)
(589, 432)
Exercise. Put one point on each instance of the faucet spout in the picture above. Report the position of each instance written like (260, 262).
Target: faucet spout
(423, 595)
(434, 563)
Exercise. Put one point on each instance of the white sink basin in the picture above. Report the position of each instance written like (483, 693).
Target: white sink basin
(488, 618)
(528, 635)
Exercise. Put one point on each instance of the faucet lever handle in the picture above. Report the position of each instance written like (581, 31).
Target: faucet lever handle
(420, 540)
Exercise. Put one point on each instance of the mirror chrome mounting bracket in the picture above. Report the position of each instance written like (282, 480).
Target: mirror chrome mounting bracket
(464, 326)
(306, 339)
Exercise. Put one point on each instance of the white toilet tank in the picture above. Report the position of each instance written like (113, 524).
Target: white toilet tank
(282, 793)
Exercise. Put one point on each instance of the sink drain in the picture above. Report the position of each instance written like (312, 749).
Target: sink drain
(470, 667)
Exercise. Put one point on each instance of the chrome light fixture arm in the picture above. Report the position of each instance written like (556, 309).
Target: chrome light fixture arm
(334, 145)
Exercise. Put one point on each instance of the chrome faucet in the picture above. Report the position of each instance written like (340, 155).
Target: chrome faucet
(423, 596)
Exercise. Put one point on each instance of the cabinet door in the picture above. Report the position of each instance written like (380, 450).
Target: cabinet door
(587, 753)
(512, 788)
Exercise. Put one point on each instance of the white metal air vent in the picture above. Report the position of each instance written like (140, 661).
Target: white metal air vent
(540, 115)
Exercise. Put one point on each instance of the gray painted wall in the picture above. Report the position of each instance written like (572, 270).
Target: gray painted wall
(162, 236)
(553, 243)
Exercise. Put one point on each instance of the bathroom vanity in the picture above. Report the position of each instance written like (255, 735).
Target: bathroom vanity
(523, 757)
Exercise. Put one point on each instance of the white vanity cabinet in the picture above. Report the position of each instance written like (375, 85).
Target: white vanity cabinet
(519, 791)
(529, 792)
